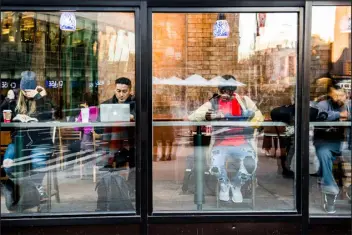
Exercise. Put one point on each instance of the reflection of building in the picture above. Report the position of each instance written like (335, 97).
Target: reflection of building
(269, 73)
(341, 47)
(183, 45)
(34, 41)
(332, 58)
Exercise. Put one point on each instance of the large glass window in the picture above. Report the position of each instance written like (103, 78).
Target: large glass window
(223, 111)
(67, 112)
(330, 111)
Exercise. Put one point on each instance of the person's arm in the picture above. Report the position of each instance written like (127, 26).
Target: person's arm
(4, 105)
(199, 114)
(43, 108)
(332, 115)
(79, 119)
(258, 116)
(133, 110)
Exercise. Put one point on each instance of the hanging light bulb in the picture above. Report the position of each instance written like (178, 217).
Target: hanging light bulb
(221, 27)
(68, 21)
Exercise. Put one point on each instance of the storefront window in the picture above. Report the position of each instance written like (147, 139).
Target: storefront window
(223, 111)
(67, 112)
(330, 112)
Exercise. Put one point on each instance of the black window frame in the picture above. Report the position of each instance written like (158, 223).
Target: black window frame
(144, 215)
(204, 215)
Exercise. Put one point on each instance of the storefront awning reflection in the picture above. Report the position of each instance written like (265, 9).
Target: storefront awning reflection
(197, 80)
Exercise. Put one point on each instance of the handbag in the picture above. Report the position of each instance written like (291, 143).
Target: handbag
(20, 195)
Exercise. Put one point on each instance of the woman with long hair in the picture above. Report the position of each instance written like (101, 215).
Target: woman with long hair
(37, 143)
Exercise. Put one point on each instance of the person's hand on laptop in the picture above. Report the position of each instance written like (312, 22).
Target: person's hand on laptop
(131, 118)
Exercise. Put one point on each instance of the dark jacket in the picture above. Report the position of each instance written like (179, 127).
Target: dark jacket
(41, 135)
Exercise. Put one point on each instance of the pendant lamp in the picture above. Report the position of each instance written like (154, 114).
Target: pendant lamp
(221, 27)
(68, 21)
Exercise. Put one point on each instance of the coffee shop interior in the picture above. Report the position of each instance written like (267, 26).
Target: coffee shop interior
(189, 56)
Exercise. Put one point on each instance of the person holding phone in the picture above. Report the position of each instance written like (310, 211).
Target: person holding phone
(32, 104)
(328, 140)
(230, 142)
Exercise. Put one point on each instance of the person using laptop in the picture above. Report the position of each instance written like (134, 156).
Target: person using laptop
(123, 95)
(118, 139)
(235, 143)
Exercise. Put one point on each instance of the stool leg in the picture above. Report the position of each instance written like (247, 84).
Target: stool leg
(94, 174)
(254, 184)
(48, 190)
(217, 194)
(81, 168)
(56, 186)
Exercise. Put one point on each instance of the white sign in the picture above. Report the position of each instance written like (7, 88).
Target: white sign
(345, 24)
(68, 21)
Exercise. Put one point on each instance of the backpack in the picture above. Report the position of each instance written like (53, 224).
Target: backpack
(20, 195)
(286, 114)
(113, 193)
(189, 180)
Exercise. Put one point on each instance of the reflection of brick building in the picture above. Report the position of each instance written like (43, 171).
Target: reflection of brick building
(341, 48)
(332, 58)
(269, 74)
(320, 63)
(183, 44)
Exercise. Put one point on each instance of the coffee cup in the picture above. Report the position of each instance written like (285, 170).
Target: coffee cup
(85, 115)
(7, 115)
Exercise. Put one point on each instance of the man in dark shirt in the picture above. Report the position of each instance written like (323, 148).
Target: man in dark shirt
(117, 139)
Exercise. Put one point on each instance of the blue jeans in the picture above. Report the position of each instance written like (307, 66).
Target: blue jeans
(9, 156)
(326, 153)
(39, 156)
(244, 158)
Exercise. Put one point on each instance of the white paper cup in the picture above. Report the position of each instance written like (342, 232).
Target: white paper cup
(85, 115)
(7, 115)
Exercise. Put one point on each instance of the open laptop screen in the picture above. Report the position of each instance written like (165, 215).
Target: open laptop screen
(114, 112)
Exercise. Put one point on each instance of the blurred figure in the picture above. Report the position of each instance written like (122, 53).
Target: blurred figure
(8, 103)
(236, 143)
(89, 101)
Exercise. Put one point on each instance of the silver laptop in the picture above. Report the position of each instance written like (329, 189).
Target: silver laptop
(115, 112)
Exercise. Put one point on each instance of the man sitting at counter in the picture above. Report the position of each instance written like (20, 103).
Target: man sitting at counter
(327, 141)
(115, 137)
(236, 143)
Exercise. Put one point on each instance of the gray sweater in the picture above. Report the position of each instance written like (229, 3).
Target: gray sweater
(330, 133)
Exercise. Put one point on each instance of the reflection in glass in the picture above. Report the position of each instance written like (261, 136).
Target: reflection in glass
(67, 112)
(330, 138)
(212, 150)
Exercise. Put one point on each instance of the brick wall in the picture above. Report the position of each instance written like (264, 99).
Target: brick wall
(320, 64)
(183, 45)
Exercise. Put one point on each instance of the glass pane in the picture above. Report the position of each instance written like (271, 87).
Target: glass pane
(67, 112)
(220, 83)
(330, 112)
